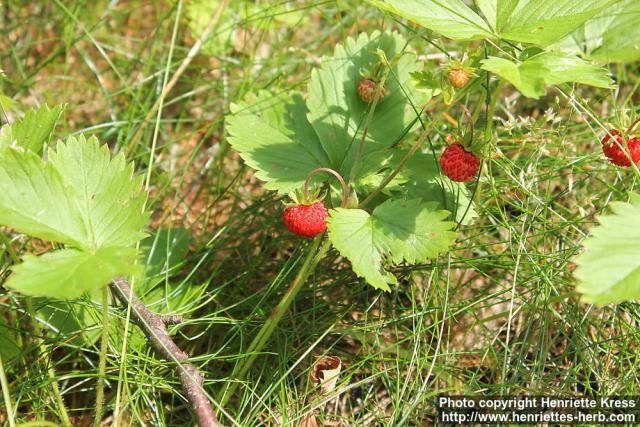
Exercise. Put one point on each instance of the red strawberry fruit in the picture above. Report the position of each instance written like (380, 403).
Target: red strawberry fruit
(306, 220)
(459, 164)
(367, 90)
(614, 152)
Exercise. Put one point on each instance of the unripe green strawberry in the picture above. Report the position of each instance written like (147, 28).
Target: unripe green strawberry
(367, 90)
(306, 220)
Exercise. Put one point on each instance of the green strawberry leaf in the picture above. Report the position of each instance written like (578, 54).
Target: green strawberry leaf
(68, 273)
(80, 197)
(32, 131)
(609, 268)
(451, 18)
(165, 252)
(273, 136)
(548, 68)
(542, 22)
(396, 231)
(76, 322)
(105, 192)
(35, 200)
(612, 36)
(337, 113)
(425, 181)
(8, 345)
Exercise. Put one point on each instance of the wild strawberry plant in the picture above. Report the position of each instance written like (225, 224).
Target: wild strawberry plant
(286, 138)
(78, 197)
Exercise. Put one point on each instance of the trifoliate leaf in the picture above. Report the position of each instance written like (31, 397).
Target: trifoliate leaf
(80, 197)
(106, 193)
(68, 273)
(396, 231)
(273, 136)
(338, 114)
(451, 18)
(547, 68)
(32, 131)
(609, 268)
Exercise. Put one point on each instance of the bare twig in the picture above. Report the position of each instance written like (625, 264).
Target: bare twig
(154, 327)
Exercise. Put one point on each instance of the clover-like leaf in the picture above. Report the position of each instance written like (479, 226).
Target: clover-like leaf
(273, 136)
(337, 113)
(32, 131)
(68, 273)
(609, 268)
(548, 68)
(396, 231)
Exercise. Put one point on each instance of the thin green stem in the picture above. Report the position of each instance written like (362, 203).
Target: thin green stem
(5, 394)
(102, 366)
(416, 146)
(374, 104)
(492, 109)
(51, 373)
(313, 257)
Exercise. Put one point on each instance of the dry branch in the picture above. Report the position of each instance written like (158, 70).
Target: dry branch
(154, 327)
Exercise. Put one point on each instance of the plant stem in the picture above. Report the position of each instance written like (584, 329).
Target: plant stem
(365, 131)
(314, 255)
(6, 395)
(102, 365)
(51, 373)
(400, 165)
(35, 327)
(154, 327)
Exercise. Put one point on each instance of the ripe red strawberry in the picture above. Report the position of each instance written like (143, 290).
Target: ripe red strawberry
(306, 220)
(459, 164)
(612, 149)
(367, 90)
(458, 77)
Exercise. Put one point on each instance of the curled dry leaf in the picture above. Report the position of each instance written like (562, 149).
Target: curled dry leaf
(326, 371)
(309, 421)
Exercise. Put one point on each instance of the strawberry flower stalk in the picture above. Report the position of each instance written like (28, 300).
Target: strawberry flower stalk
(316, 250)
(307, 215)
(460, 161)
